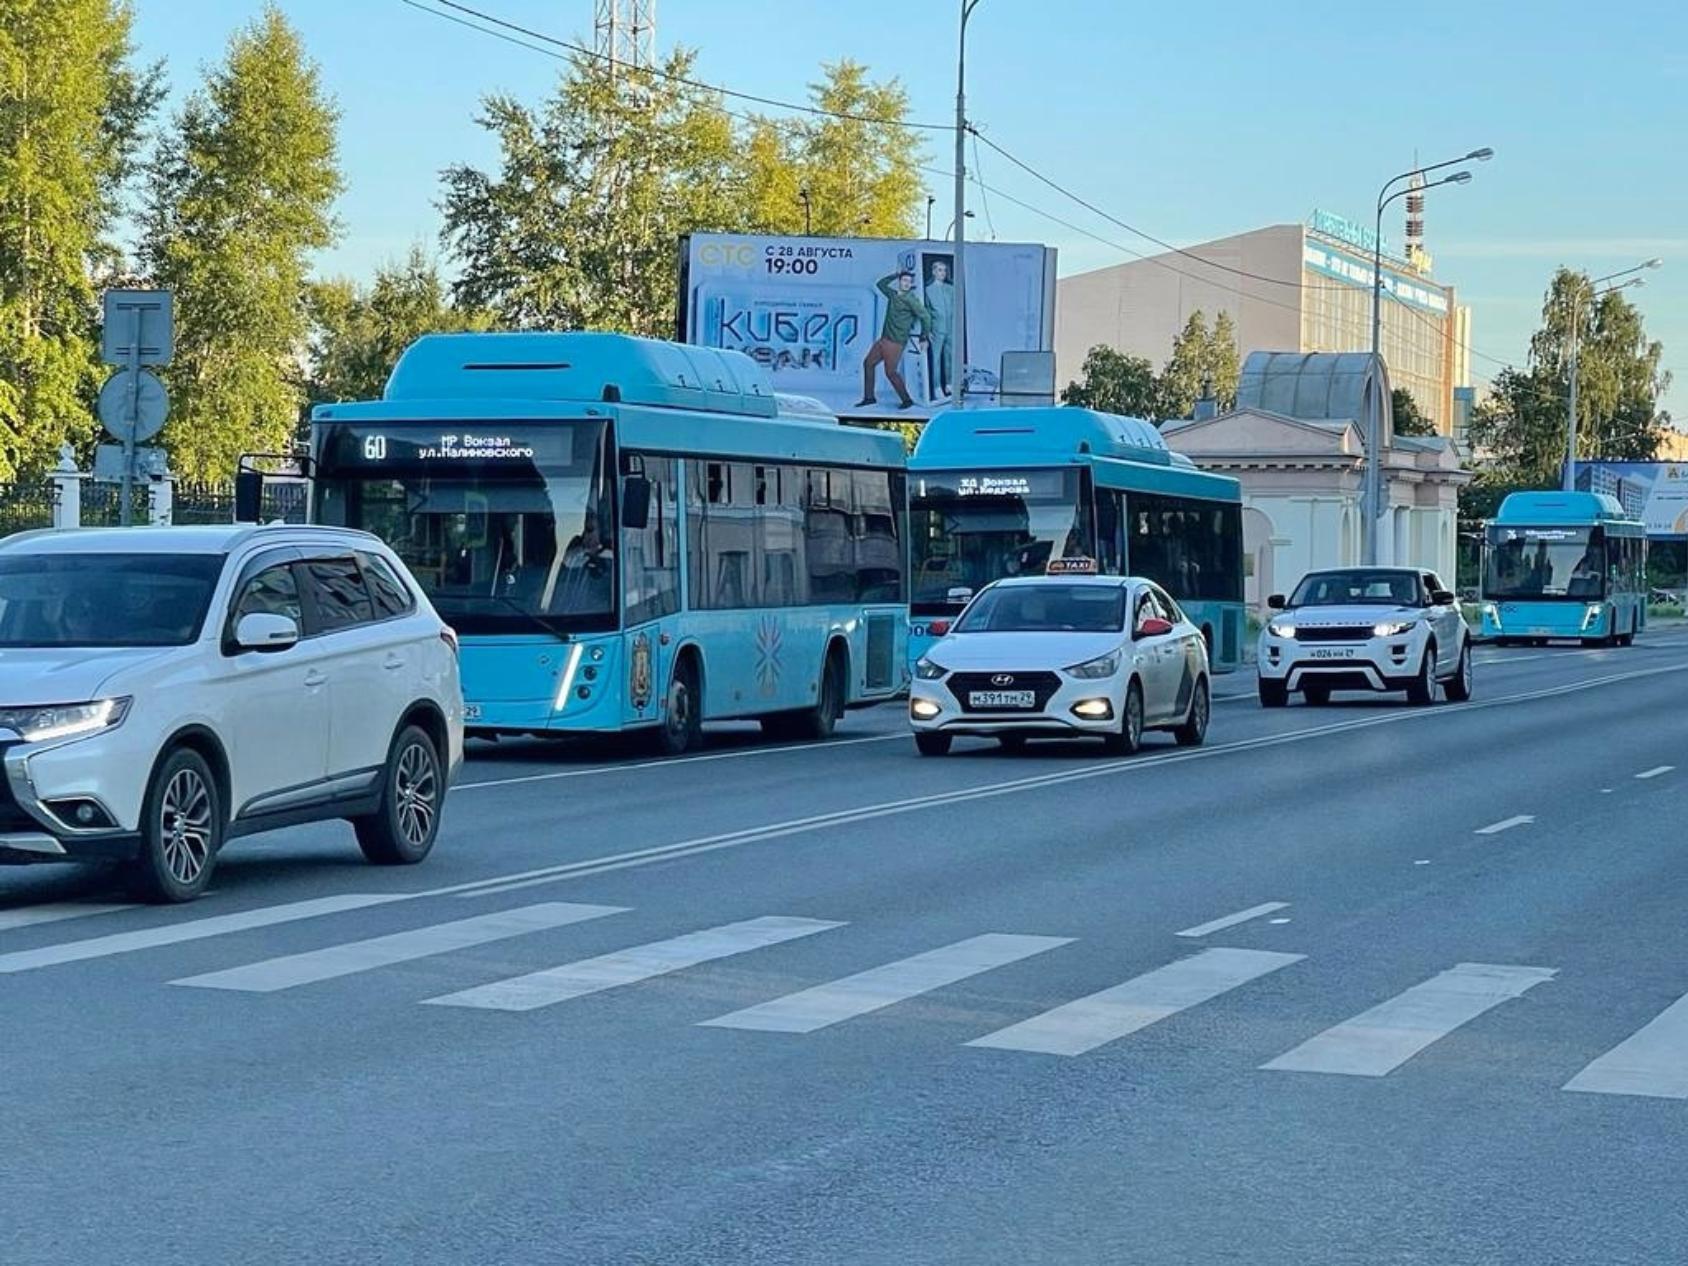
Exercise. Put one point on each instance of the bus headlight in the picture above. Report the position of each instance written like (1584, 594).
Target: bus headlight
(1591, 617)
(1491, 613)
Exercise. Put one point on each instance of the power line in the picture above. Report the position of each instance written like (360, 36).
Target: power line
(582, 51)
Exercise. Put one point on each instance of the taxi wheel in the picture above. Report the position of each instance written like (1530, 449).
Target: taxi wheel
(1194, 730)
(934, 744)
(1130, 735)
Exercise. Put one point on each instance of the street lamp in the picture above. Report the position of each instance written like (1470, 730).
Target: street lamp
(803, 197)
(959, 332)
(930, 199)
(1569, 482)
(1372, 496)
(949, 231)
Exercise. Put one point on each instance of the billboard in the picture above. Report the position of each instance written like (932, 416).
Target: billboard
(866, 325)
(1654, 492)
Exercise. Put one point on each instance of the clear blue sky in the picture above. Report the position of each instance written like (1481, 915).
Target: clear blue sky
(1190, 121)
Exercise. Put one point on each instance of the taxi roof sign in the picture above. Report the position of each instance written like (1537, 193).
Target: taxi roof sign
(1071, 567)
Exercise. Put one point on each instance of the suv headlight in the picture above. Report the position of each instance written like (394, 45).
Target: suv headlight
(1092, 669)
(926, 670)
(1281, 628)
(63, 720)
(1393, 628)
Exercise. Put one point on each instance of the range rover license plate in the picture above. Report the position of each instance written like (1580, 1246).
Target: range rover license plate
(1002, 698)
(1331, 653)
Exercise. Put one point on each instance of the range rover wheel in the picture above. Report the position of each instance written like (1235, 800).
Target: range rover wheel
(181, 830)
(1459, 685)
(1422, 691)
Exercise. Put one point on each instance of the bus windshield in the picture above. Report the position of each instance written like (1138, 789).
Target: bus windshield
(508, 527)
(1548, 562)
(969, 529)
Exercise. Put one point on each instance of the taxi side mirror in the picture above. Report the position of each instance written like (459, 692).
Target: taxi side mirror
(1154, 626)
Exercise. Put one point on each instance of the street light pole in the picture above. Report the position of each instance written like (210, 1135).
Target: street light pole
(959, 331)
(1371, 495)
(1568, 482)
(930, 199)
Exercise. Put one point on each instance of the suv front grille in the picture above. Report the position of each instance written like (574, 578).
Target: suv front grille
(1333, 633)
(1042, 684)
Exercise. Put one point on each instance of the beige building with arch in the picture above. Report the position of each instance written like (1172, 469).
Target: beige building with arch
(1296, 443)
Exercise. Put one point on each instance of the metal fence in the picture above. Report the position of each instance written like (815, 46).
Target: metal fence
(285, 500)
(26, 506)
(102, 504)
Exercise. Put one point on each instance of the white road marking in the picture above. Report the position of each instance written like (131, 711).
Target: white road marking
(881, 987)
(1505, 824)
(1655, 771)
(1653, 1062)
(1082, 1025)
(1378, 1041)
(273, 974)
(629, 966)
(30, 916)
(668, 762)
(190, 930)
(779, 830)
(1231, 920)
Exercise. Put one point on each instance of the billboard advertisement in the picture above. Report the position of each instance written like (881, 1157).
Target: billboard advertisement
(867, 325)
(1654, 492)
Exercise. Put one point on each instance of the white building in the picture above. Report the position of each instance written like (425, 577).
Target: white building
(1296, 442)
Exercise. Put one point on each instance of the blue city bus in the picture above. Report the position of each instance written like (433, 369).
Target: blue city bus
(629, 534)
(1003, 491)
(1564, 565)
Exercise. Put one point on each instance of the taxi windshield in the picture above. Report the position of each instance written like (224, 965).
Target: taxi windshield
(1046, 609)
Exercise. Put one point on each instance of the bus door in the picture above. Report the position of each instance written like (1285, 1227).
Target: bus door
(650, 571)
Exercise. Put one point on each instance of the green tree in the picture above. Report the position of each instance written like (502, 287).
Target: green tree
(1406, 415)
(72, 109)
(360, 332)
(578, 227)
(1114, 382)
(241, 193)
(1521, 428)
(1186, 373)
(861, 173)
(1223, 362)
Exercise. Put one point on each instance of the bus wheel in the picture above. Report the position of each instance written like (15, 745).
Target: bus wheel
(682, 720)
(819, 721)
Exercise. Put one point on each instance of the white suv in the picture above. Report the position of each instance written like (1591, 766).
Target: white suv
(163, 690)
(1365, 628)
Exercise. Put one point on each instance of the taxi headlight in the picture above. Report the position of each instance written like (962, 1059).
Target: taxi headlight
(1392, 628)
(1092, 669)
(926, 670)
(63, 720)
(1281, 628)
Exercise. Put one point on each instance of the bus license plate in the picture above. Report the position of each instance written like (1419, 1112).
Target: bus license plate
(1330, 654)
(1002, 698)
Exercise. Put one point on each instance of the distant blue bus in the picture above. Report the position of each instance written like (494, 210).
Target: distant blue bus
(1000, 492)
(1564, 565)
(629, 534)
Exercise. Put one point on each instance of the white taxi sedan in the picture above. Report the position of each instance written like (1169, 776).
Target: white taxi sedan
(1064, 655)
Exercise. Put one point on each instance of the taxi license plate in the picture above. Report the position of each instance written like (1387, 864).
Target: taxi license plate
(1330, 654)
(1002, 698)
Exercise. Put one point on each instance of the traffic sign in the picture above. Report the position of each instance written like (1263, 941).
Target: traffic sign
(139, 327)
(133, 405)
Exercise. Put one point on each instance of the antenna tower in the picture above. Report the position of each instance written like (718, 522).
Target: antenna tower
(625, 32)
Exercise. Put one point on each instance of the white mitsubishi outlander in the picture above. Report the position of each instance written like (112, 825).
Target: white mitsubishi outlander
(165, 689)
(1365, 628)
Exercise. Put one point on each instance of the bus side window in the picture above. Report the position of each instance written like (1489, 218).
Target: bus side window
(1110, 544)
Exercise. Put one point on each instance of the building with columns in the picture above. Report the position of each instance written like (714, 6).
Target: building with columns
(1296, 443)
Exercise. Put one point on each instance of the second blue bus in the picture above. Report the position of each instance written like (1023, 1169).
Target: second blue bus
(1564, 565)
(1002, 491)
(629, 534)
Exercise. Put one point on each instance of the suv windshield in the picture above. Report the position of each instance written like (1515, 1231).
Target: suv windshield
(105, 599)
(1358, 588)
(1047, 609)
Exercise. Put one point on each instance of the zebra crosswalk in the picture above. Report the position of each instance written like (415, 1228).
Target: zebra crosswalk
(1375, 1042)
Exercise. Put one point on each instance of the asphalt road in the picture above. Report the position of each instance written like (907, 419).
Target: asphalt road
(840, 1004)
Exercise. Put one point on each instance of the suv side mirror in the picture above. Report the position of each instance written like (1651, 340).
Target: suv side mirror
(635, 503)
(265, 631)
(1276, 602)
(1442, 598)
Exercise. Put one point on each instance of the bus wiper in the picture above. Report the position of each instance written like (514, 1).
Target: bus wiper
(539, 621)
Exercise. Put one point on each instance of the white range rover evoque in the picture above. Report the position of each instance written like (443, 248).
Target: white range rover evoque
(163, 690)
(1365, 628)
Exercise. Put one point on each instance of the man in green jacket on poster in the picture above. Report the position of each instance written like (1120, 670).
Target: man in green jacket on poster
(903, 311)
